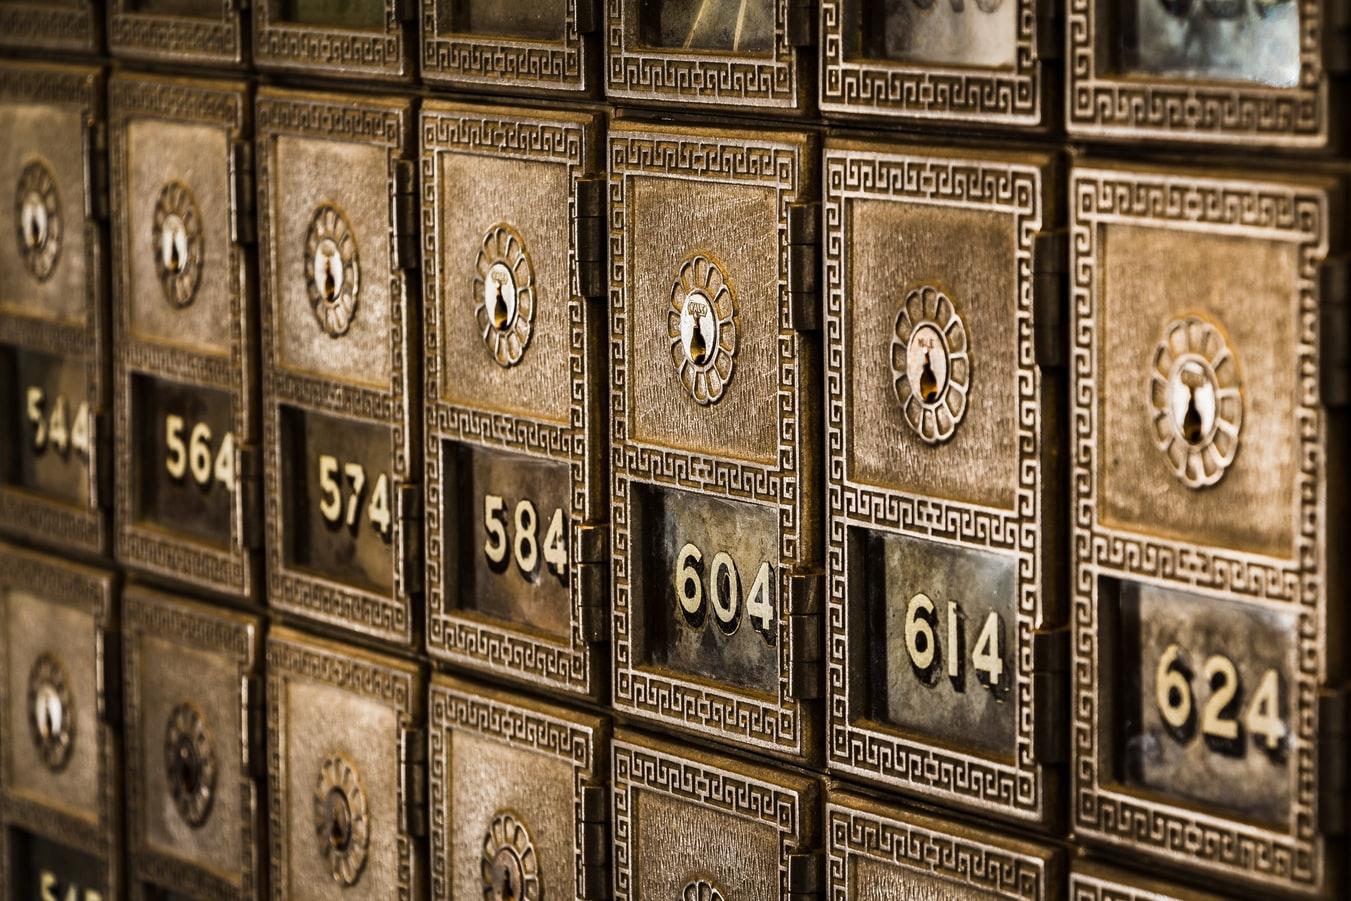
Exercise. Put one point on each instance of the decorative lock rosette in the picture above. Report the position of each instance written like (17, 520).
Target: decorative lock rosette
(509, 865)
(504, 294)
(931, 364)
(332, 269)
(1196, 401)
(190, 763)
(702, 890)
(702, 326)
(37, 220)
(176, 240)
(342, 819)
(51, 711)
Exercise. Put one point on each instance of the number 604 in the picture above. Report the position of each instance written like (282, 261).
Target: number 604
(724, 592)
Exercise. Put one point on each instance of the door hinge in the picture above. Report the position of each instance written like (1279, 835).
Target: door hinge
(1050, 297)
(95, 170)
(1334, 719)
(806, 605)
(587, 18)
(1050, 694)
(802, 23)
(804, 266)
(1334, 332)
(1337, 36)
(1050, 33)
(594, 586)
(413, 769)
(255, 732)
(406, 212)
(241, 193)
(249, 466)
(406, 10)
(806, 876)
(110, 679)
(590, 236)
(102, 475)
(408, 511)
(595, 876)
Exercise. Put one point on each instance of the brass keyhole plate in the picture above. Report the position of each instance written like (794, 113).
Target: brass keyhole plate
(341, 819)
(190, 763)
(702, 889)
(509, 866)
(1195, 396)
(332, 269)
(37, 220)
(176, 242)
(503, 292)
(51, 713)
(931, 364)
(702, 327)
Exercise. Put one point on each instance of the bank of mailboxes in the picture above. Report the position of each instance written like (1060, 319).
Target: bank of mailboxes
(60, 761)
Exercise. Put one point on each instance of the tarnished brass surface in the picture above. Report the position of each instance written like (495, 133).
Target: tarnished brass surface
(60, 763)
(1096, 882)
(534, 46)
(69, 26)
(202, 32)
(358, 39)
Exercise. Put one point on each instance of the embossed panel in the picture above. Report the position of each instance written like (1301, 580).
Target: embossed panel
(344, 738)
(880, 851)
(57, 435)
(206, 32)
(724, 53)
(518, 801)
(952, 62)
(688, 824)
(52, 25)
(715, 430)
(516, 515)
(187, 427)
(60, 767)
(193, 725)
(1199, 654)
(511, 45)
(1256, 73)
(359, 39)
(341, 361)
(946, 668)
(1096, 882)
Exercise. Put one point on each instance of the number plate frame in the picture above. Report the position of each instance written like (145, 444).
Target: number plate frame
(143, 35)
(83, 340)
(1298, 214)
(1020, 784)
(40, 25)
(292, 47)
(574, 665)
(784, 164)
(234, 570)
(385, 615)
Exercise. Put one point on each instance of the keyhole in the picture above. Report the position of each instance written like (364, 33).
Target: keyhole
(1191, 420)
(187, 770)
(698, 346)
(330, 283)
(34, 232)
(339, 821)
(508, 887)
(499, 304)
(175, 262)
(49, 712)
(928, 382)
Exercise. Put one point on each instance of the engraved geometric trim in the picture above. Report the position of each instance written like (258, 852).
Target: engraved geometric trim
(984, 95)
(176, 38)
(558, 65)
(487, 646)
(1098, 102)
(280, 45)
(41, 25)
(1018, 789)
(1291, 857)
(723, 79)
(779, 724)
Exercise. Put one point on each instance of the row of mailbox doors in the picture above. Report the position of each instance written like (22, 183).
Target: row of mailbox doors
(1227, 71)
(246, 762)
(871, 456)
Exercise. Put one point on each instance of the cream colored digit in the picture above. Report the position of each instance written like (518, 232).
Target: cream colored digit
(526, 546)
(35, 398)
(495, 545)
(725, 607)
(177, 460)
(330, 505)
(689, 590)
(378, 509)
(919, 634)
(555, 543)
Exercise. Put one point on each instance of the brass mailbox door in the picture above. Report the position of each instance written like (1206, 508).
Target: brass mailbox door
(342, 444)
(357, 39)
(938, 63)
(55, 434)
(63, 26)
(1234, 73)
(192, 32)
(516, 511)
(547, 47)
(755, 54)
(943, 318)
(519, 807)
(715, 434)
(1095, 882)
(187, 428)
(883, 851)
(1204, 686)
(60, 768)
(346, 771)
(700, 826)
(192, 702)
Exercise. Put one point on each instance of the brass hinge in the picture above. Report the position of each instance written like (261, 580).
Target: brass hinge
(1050, 29)
(802, 23)
(590, 236)
(595, 876)
(102, 440)
(1050, 297)
(1050, 693)
(1334, 332)
(408, 511)
(96, 173)
(249, 466)
(406, 247)
(806, 605)
(594, 586)
(804, 266)
(255, 731)
(806, 876)
(413, 771)
(1334, 719)
(587, 19)
(1337, 36)
(110, 679)
(241, 193)
(406, 10)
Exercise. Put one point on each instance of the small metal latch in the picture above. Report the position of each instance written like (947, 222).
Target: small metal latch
(1050, 692)
(1334, 720)
(595, 842)
(806, 605)
(804, 266)
(1334, 332)
(96, 173)
(406, 214)
(806, 876)
(408, 511)
(249, 467)
(590, 236)
(255, 735)
(413, 771)
(1050, 297)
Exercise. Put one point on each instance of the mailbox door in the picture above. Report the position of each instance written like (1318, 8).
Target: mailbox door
(715, 434)
(946, 671)
(1095, 882)
(188, 428)
(1203, 682)
(56, 436)
(519, 807)
(183, 32)
(342, 444)
(345, 772)
(60, 767)
(192, 695)
(516, 510)
(357, 39)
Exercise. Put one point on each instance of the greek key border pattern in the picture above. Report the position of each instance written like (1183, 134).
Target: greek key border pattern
(1099, 103)
(1292, 857)
(982, 94)
(38, 25)
(176, 38)
(871, 751)
(278, 44)
(468, 59)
